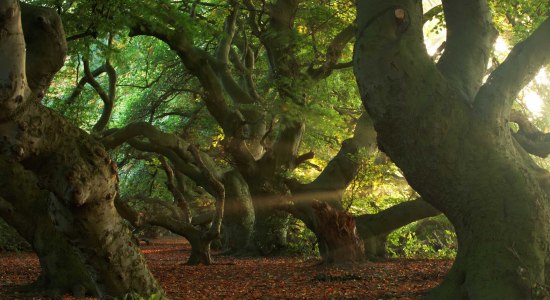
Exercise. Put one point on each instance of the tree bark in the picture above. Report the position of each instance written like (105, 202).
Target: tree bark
(319, 203)
(450, 136)
(200, 250)
(239, 214)
(337, 235)
(271, 226)
(25, 208)
(72, 169)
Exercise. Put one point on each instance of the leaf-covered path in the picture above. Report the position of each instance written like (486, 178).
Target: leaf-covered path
(257, 278)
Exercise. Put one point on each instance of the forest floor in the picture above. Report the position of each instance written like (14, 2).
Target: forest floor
(256, 278)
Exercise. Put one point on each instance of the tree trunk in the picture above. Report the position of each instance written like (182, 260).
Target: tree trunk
(239, 213)
(200, 251)
(449, 134)
(319, 203)
(337, 235)
(67, 165)
(63, 271)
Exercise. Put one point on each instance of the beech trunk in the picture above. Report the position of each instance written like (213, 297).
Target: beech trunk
(448, 132)
(25, 208)
(239, 215)
(67, 165)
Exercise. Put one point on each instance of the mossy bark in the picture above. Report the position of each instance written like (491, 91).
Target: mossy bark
(449, 134)
(337, 235)
(239, 213)
(71, 170)
(63, 271)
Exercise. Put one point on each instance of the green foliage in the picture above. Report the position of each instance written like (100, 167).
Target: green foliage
(429, 238)
(516, 19)
(378, 185)
(154, 86)
(301, 240)
(10, 240)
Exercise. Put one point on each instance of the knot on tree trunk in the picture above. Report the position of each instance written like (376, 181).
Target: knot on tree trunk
(337, 234)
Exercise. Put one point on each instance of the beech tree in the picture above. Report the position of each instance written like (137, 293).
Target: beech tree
(447, 128)
(262, 140)
(50, 167)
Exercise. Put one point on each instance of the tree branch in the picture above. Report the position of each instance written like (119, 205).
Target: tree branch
(14, 90)
(394, 217)
(430, 14)
(219, 194)
(224, 48)
(343, 168)
(252, 17)
(91, 80)
(304, 157)
(154, 212)
(179, 199)
(181, 165)
(45, 44)
(82, 83)
(107, 105)
(246, 69)
(498, 94)
(197, 61)
(117, 137)
(470, 37)
(281, 45)
(190, 115)
(334, 52)
(530, 138)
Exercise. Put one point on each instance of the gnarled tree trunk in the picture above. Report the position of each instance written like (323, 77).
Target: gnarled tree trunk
(25, 207)
(319, 203)
(448, 131)
(68, 165)
(337, 234)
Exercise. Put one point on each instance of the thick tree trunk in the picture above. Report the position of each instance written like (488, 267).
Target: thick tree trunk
(25, 208)
(450, 136)
(81, 205)
(337, 235)
(239, 213)
(69, 166)
(63, 271)
(319, 203)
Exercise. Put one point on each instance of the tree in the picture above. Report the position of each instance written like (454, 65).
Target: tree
(448, 130)
(65, 171)
(257, 52)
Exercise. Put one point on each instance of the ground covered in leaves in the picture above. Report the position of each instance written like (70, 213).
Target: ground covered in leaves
(256, 278)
